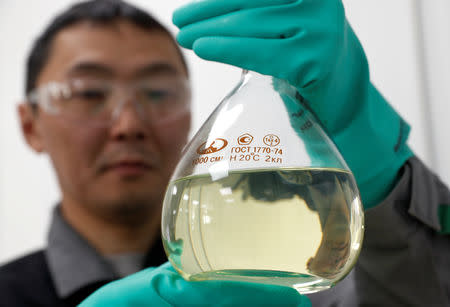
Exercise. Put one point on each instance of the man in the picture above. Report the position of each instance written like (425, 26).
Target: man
(308, 43)
(108, 101)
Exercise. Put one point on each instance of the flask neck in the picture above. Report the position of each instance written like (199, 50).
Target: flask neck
(248, 75)
(279, 85)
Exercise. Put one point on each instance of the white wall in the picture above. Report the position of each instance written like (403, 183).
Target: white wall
(388, 30)
(435, 29)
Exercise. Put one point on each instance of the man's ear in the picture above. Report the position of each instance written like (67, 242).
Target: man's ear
(29, 126)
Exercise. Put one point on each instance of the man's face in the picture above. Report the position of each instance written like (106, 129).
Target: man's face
(122, 167)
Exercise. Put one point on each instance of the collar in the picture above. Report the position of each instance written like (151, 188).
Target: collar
(72, 261)
(74, 264)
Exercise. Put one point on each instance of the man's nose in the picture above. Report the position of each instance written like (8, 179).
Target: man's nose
(127, 122)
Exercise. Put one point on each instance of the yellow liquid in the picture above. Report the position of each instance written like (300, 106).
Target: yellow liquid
(295, 227)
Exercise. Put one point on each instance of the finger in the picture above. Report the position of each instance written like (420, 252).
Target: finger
(133, 290)
(276, 22)
(265, 56)
(205, 9)
(245, 53)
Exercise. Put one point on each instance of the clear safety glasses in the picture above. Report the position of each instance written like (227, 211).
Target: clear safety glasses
(101, 101)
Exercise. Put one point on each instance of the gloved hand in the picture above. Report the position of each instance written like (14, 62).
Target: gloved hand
(310, 44)
(163, 286)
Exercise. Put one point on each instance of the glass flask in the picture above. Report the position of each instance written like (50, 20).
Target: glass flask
(261, 194)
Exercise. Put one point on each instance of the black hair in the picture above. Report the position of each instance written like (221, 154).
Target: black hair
(99, 11)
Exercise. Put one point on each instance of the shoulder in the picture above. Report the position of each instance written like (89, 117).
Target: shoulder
(26, 281)
(24, 269)
(22, 263)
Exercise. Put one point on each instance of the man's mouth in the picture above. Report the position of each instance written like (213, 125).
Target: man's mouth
(129, 167)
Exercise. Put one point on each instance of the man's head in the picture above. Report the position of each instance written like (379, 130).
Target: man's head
(110, 105)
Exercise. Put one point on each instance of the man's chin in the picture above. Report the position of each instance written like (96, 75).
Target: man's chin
(130, 174)
(129, 209)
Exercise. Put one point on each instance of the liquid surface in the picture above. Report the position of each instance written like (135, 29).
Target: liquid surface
(296, 227)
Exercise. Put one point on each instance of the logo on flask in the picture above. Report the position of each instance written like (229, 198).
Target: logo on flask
(245, 139)
(216, 145)
(271, 140)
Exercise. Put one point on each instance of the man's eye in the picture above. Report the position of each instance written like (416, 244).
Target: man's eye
(157, 95)
(91, 94)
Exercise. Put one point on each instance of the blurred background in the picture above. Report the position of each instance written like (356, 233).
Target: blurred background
(408, 47)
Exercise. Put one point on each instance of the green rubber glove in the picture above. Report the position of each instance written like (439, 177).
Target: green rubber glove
(310, 44)
(163, 286)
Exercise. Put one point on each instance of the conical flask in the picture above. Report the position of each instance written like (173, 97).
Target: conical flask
(262, 194)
